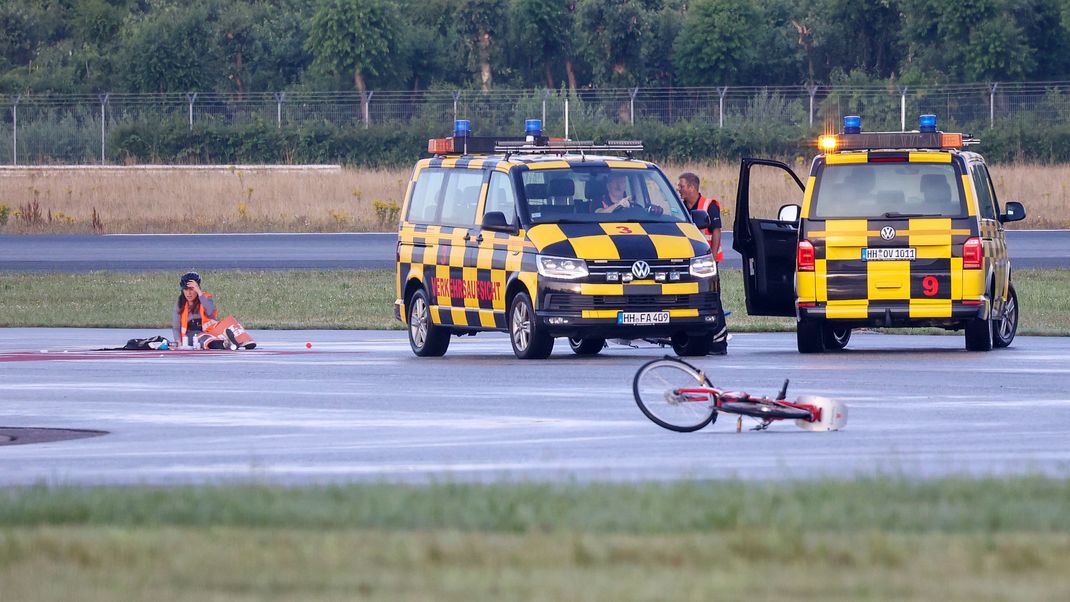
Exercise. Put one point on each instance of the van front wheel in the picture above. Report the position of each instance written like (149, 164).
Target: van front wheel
(530, 342)
(1006, 326)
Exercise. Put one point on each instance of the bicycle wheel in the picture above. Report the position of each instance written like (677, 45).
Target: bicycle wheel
(656, 388)
(767, 409)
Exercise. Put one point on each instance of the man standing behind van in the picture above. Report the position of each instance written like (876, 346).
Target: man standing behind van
(688, 187)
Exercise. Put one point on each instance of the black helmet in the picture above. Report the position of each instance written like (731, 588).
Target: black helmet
(194, 276)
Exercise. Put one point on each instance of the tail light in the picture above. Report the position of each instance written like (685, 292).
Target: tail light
(973, 254)
(804, 259)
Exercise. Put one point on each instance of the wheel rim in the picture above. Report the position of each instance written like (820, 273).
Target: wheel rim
(521, 327)
(841, 336)
(1010, 319)
(418, 322)
(575, 343)
(656, 387)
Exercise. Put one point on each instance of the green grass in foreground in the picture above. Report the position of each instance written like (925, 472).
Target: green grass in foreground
(355, 300)
(869, 539)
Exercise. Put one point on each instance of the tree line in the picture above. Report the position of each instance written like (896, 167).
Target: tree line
(242, 46)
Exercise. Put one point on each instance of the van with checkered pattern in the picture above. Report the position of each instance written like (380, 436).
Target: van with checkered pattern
(893, 229)
(547, 239)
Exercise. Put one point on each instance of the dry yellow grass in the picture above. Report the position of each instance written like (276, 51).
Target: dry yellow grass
(230, 199)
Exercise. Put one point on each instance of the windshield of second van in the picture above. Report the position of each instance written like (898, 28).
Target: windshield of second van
(891, 190)
(600, 194)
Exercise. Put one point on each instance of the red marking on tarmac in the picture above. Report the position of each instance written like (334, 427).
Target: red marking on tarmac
(48, 356)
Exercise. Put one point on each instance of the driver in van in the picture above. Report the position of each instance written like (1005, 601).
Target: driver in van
(615, 197)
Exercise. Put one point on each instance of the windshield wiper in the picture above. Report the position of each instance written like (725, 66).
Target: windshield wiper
(897, 214)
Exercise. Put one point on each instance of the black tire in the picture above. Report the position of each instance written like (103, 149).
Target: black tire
(1004, 329)
(808, 337)
(686, 345)
(425, 338)
(835, 338)
(979, 334)
(764, 410)
(589, 346)
(654, 386)
(530, 342)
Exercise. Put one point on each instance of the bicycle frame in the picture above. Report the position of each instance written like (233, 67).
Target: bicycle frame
(701, 394)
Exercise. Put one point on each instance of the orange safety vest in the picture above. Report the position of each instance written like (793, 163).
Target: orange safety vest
(205, 318)
(704, 205)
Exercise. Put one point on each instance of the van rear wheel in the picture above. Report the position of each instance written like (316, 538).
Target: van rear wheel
(835, 338)
(979, 334)
(809, 337)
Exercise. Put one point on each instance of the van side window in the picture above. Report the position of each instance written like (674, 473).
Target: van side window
(985, 204)
(461, 197)
(991, 189)
(423, 206)
(501, 197)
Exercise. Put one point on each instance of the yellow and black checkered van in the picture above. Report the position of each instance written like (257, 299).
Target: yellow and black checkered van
(895, 229)
(518, 236)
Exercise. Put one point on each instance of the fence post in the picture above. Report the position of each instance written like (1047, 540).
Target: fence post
(812, 89)
(15, 130)
(456, 97)
(545, 97)
(365, 101)
(191, 97)
(992, 104)
(103, 103)
(903, 108)
(566, 115)
(279, 97)
(720, 106)
(631, 104)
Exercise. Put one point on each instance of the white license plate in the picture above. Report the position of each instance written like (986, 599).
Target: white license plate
(643, 317)
(900, 254)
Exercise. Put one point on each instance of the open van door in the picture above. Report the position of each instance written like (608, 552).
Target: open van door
(766, 243)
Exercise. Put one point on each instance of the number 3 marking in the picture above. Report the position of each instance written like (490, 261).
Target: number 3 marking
(930, 286)
(624, 230)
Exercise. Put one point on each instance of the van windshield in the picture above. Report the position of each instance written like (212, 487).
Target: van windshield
(891, 190)
(600, 194)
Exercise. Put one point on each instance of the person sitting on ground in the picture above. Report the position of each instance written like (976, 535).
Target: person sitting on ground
(194, 323)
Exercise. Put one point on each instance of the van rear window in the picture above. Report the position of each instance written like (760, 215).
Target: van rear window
(874, 190)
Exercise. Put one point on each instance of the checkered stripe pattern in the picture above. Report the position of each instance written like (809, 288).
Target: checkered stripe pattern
(854, 288)
(630, 241)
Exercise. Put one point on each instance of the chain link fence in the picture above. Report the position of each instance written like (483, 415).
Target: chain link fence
(74, 128)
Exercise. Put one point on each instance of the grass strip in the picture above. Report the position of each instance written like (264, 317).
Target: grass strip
(356, 300)
(867, 539)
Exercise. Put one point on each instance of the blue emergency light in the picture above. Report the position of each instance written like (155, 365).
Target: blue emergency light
(852, 124)
(462, 128)
(533, 127)
(927, 123)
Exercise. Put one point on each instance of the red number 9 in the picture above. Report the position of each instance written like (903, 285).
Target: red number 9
(930, 286)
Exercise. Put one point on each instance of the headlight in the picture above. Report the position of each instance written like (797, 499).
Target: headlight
(565, 268)
(704, 266)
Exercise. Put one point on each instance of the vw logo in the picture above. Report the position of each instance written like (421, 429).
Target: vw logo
(887, 233)
(640, 269)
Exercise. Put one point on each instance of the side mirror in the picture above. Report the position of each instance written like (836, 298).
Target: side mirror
(1015, 212)
(701, 219)
(496, 222)
(789, 213)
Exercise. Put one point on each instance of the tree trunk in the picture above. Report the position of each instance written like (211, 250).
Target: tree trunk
(549, 77)
(571, 76)
(237, 76)
(484, 60)
(358, 79)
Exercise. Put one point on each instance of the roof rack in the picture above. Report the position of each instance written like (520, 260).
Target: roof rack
(557, 146)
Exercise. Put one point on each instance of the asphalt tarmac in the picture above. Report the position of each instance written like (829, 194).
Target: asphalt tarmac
(351, 251)
(358, 406)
